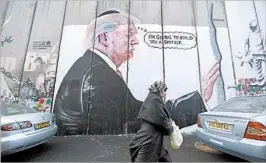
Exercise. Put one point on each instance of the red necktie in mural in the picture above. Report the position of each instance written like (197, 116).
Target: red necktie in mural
(119, 73)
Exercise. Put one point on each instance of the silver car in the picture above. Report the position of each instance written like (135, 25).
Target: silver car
(23, 127)
(236, 127)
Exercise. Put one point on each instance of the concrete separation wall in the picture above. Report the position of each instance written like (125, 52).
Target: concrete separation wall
(91, 62)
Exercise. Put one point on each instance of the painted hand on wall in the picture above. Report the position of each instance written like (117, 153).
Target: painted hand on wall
(209, 80)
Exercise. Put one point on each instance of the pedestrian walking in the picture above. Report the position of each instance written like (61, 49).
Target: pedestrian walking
(147, 144)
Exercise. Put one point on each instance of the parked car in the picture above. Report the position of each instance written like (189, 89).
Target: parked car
(236, 127)
(23, 127)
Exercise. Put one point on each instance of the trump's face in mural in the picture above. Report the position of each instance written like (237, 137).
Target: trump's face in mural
(119, 44)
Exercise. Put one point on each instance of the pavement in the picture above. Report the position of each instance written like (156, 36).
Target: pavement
(109, 149)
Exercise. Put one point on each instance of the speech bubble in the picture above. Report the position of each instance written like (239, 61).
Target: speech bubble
(172, 40)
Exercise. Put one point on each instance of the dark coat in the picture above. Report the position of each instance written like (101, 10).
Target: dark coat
(93, 99)
(147, 144)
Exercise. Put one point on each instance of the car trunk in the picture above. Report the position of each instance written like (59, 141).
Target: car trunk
(40, 121)
(229, 124)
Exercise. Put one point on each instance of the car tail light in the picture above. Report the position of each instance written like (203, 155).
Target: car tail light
(10, 127)
(25, 124)
(16, 126)
(255, 130)
(198, 122)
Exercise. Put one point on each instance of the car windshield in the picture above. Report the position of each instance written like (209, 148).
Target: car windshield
(254, 104)
(15, 109)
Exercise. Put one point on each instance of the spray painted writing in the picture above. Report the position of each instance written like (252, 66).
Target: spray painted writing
(8, 39)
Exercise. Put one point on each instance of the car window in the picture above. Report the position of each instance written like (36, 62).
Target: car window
(255, 104)
(15, 109)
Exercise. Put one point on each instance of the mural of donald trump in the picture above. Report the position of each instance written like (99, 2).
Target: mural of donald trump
(93, 98)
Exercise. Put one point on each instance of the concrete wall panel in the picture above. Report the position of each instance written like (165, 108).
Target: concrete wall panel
(247, 46)
(214, 51)
(42, 54)
(181, 61)
(260, 11)
(3, 9)
(104, 70)
(148, 56)
(14, 41)
(120, 5)
(113, 100)
(178, 13)
(80, 12)
(148, 47)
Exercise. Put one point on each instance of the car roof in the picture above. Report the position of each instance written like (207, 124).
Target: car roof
(240, 97)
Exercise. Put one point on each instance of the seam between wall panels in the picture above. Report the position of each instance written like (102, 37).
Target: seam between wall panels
(196, 32)
(58, 55)
(27, 46)
(162, 29)
(230, 44)
(126, 126)
(91, 71)
(198, 56)
(7, 4)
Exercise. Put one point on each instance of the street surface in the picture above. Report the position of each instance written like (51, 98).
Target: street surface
(108, 149)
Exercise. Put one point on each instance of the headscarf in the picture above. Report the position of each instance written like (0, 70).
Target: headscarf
(158, 87)
(154, 109)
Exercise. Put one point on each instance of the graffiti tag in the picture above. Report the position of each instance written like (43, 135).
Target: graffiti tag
(8, 39)
(39, 104)
(248, 87)
(8, 75)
